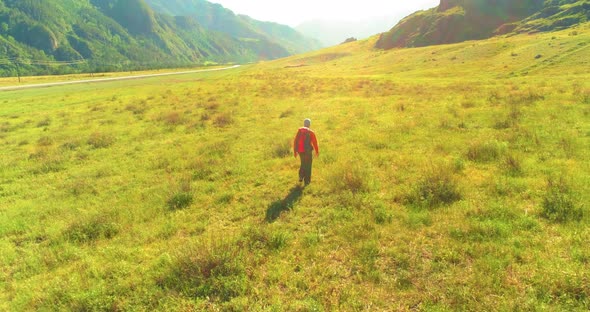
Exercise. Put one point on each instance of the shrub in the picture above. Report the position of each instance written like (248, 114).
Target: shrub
(437, 187)
(560, 203)
(101, 140)
(483, 152)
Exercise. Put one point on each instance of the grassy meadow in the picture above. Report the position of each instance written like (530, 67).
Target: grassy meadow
(32, 80)
(452, 177)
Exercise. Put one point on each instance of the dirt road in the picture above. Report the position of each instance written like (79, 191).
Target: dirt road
(54, 84)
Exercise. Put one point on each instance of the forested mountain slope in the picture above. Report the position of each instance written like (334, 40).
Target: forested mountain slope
(217, 18)
(104, 35)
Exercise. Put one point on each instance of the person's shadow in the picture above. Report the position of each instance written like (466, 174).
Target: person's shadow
(276, 208)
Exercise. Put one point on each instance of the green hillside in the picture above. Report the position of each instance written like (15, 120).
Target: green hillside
(450, 178)
(460, 20)
(105, 35)
(557, 14)
(217, 18)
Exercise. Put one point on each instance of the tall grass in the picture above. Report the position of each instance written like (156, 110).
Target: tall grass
(561, 203)
(215, 272)
(352, 176)
(438, 186)
(181, 197)
(484, 151)
(110, 195)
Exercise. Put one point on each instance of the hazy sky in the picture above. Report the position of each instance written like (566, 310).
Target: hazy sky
(294, 12)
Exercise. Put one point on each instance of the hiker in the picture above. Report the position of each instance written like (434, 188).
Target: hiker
(304, 145)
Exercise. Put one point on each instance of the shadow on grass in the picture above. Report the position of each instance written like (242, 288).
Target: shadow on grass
(276, 208)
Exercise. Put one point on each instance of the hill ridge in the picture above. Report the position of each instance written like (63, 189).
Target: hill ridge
(460, 20)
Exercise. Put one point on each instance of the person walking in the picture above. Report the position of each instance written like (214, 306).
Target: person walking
(304, 145)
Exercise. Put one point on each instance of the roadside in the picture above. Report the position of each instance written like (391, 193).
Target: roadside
(53, 84)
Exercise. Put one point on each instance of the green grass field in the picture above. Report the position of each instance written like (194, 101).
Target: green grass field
(14, 81)
(450, 178)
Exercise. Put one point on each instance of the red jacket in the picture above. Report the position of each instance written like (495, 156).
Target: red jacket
(299, 142)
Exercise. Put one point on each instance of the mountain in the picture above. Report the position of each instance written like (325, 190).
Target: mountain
(555, 15)
(460, 20)
(215, 17)
(130, 34)
(331, 33)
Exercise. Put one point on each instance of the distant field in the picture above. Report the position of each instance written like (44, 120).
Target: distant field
(14, 81)
(450, 178)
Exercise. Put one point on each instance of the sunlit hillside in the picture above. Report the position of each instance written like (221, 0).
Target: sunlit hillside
(450, 178)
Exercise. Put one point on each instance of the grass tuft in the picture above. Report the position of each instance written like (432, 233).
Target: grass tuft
(92, 229)
(45, 141)
(282, 149)
(438, 187)
(288, 113)
(351, 176)
(216, 272)
(182, 197)
(278, 240)
(44, 123)
(101, 140)
(484, 152)
(560, 203)
(223, 120)
(382, 215)
(180, 200)
(585, 96)
(512, 165)
(173, 118)
(136, 109)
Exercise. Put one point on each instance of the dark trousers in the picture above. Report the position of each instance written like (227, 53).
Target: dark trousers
(305, 169)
